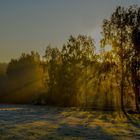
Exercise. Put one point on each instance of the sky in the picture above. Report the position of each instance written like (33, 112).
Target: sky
(27, 25)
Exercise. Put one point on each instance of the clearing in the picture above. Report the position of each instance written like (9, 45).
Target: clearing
(29, 122)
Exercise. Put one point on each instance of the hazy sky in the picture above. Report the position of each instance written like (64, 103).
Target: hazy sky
(27, 25)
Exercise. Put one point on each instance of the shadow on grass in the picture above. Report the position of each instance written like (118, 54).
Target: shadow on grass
(135, 121)
(54, 123)
(79, 132)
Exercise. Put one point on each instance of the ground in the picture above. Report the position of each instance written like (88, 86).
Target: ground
(29, 122)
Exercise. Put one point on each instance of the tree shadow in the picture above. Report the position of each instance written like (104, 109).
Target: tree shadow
(20, 114)
(82, 132)
(28, 115)
(132, 120)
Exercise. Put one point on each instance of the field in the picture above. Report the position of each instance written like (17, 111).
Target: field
(29, 122)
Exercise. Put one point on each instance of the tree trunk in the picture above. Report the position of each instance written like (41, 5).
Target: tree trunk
(137, 98)
(136, 88)
(86, 96)
(122, 86)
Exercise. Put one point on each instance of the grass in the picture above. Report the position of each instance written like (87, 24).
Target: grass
(27, 122)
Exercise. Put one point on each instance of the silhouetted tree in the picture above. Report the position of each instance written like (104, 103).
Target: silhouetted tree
(120, 32)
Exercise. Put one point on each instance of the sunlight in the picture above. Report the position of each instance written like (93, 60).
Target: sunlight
(108, 48)
(70, 70)
(9, 109)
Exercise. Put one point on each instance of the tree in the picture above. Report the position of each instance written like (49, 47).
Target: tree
(53, 64)
(134, 62)
(115, 34)
(24, 78)
(121, 32)
(77, 56)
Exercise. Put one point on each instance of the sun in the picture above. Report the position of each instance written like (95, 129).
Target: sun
(108, 48)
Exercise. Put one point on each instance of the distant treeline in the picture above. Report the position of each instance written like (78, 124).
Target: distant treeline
(77, 76)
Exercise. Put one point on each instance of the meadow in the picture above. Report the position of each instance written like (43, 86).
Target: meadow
(80, 90)
(30, 122)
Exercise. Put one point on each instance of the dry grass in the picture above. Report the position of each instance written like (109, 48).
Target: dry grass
(22, 122)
